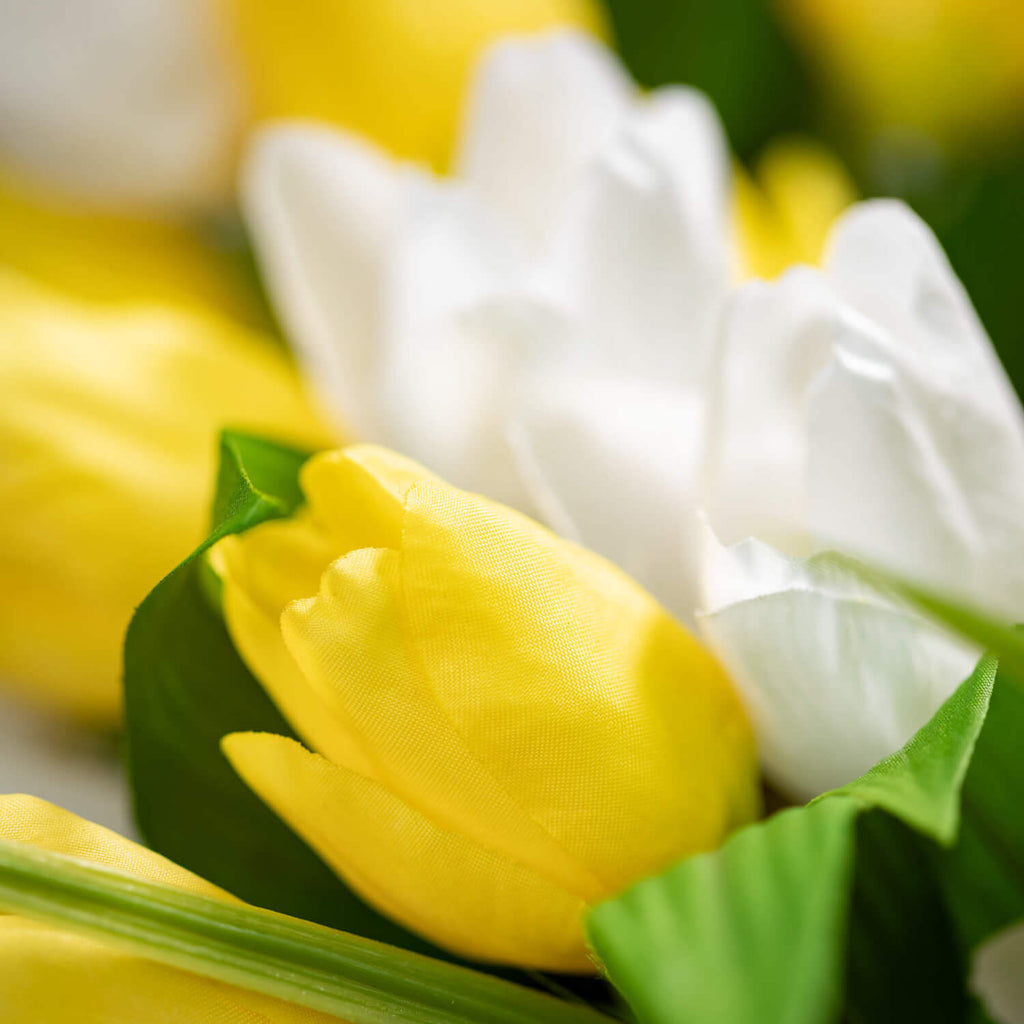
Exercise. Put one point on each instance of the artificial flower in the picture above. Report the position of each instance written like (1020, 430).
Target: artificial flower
(584, 238)
(786, 208)
(112, 258)
(109, 419)
(502, 727)
(51, 976)
(860, 408)
(940, 71)
(142, 104)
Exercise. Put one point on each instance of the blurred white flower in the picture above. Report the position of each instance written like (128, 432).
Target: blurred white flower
(861, 408)
(576, 261)
(128, 102)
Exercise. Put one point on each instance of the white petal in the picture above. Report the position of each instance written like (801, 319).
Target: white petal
(775, 338)
(834, 677)
(886, 263)
(452, 384)
(540, 109)
(641, 259)
(120, 102)
(997, 977)
(877, 485)
(612, 465)
(324, 208)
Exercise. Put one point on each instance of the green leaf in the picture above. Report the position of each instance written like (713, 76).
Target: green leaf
(733, 50)
(186, 687)
(755, 932)
(358, 980)
(983, 874)
(921, 783)
(751, 932)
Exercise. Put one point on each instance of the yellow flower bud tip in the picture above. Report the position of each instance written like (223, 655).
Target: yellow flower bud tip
(109, 418)
(505, 727)
(785, 210)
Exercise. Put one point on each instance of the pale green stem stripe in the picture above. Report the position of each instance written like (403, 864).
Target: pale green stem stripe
(356, 979)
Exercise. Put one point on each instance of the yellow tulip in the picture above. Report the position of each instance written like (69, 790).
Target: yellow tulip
(950, 69)
(784, 212)
(392, 70)
(50, 976)
(503, 727)
(109, 258)
(108, 428)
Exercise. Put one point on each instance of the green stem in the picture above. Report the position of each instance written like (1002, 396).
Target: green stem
(357, 979)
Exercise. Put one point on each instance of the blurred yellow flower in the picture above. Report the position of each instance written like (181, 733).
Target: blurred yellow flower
(108, 426)
(785, 210)
(51, 975)
(505, 727)
(111, 258)
(950, 69)
(392, 70)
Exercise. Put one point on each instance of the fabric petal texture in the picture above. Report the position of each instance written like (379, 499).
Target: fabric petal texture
(834, 675)
(499, 694)
(48, 971)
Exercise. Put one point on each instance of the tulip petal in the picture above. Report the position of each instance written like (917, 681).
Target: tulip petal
(505, 616)
(887, 263)
(835, 676)
(557, 98)
(109, 418)
(358, 496)
(641, 259)
(775, 339)
(53, 977)
(262, 570)
(50, 976)
(323, 208)
(461, 895)
(878, 487)
(572, 437)
(350, 641)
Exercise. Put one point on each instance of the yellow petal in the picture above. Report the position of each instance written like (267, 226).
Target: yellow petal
(356, 498)
(393, 70)
(262, 570)
(358, 494)
(352, 646)
(108, 425)
(785, 212)
(464, 896)
(615, 729)
(106, 258)
(53, 977)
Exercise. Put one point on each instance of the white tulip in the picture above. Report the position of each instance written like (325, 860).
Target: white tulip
(124, 103)
(860, 408)
(578, 254)
(553, 327)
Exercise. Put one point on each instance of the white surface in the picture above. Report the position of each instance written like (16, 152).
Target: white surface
(75, 770)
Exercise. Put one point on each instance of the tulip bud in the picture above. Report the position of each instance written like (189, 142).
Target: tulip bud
(108, 426)
(503, 727)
